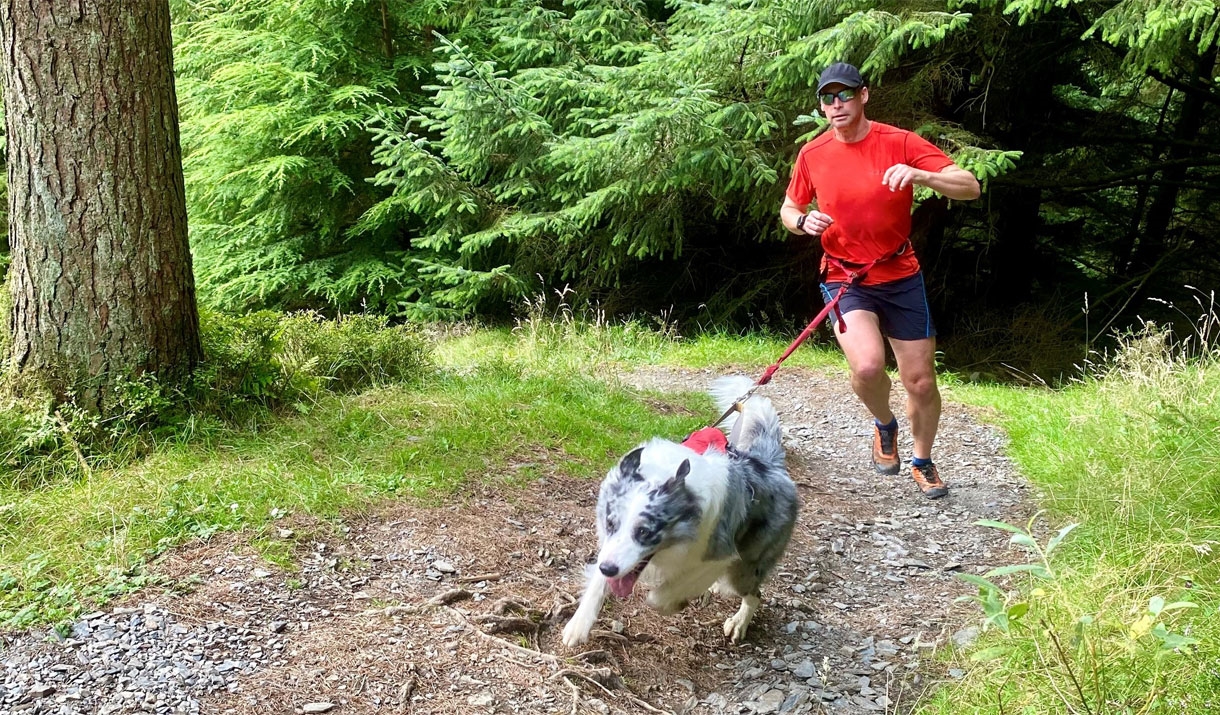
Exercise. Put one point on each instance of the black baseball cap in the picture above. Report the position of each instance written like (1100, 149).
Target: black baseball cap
(840, 73)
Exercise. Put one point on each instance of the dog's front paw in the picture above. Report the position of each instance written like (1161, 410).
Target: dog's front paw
(736, 625)
(577, 631)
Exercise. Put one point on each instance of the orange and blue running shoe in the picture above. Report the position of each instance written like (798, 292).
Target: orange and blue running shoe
(927, 478)
(885, 450)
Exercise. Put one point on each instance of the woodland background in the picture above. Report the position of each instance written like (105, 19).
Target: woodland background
(422, 233)
(449, 159)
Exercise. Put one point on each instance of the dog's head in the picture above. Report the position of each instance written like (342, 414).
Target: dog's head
(643, 507)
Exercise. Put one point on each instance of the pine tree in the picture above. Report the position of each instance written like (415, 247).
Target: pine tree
(598, 139)
(277, 97)
(101, 281)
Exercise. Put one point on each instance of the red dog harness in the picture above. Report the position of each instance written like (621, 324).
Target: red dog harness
(706, 440)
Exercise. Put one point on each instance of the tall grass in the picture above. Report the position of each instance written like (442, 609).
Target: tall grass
(1128, 623)
(552, 335)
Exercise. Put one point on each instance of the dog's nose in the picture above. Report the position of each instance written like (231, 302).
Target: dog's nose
(608, 570)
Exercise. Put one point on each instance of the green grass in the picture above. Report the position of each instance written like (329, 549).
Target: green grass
(1130, 455)
(74, 542)
(587, 349)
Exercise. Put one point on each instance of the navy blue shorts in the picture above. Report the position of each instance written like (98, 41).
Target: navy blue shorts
(901, 306)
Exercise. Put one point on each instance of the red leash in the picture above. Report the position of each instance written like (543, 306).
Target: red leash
(813, 325)
(832, 304)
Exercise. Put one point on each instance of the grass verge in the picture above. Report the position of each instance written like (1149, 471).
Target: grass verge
(1122, 618)
(74, 542)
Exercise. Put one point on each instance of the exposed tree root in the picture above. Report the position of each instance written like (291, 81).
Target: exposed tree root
(529, 621)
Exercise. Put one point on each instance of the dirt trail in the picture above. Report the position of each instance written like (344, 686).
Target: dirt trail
(459, 608)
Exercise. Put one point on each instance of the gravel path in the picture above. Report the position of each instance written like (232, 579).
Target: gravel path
(457, 608)
(876, 557)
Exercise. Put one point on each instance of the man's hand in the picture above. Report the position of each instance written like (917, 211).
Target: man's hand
(816, 222)
(900, 176)
(803, 219)
(951, 182)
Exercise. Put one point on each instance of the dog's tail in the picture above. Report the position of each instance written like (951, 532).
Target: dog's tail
(760, 434)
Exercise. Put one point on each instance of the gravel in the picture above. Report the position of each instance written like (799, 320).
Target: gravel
(867, 587)
(858, 606)
(130, 660)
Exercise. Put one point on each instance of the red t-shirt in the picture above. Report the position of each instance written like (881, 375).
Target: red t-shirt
(870, 221)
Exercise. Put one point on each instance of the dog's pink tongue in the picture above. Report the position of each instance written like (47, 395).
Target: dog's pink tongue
(621, 587)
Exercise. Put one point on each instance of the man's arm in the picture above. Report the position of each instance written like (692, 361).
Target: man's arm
(951, 182)
(815, 223)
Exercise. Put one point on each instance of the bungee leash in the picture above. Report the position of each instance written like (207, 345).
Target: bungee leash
(853, 277)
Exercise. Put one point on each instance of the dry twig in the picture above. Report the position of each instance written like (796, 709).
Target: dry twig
(405, 693)
(575, 695)
(500, 641)
(574, 673)
(504, 605)
(441, 599)
(508, 624)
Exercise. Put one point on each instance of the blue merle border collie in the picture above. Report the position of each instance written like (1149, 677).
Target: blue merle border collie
(683, 522)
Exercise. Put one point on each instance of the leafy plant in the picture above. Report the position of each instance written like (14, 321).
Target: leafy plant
(267, 360)
(995, 602)
(253, 365)
(1093, 664)
(276, 101)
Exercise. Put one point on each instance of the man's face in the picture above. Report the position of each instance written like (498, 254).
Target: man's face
(839, 112)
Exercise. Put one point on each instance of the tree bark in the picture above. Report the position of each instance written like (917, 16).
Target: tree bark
(1152, 244)
(101, 274)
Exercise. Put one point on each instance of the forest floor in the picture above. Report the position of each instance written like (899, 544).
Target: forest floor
(458, 608)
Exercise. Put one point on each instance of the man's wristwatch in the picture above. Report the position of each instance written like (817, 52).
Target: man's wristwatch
(800, 222)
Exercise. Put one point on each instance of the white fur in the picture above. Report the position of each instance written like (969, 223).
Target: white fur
(735, 626)
(577, 630)
(676, 574)
(730, 493)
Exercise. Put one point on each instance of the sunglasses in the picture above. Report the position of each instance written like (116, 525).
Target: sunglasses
(844, 95)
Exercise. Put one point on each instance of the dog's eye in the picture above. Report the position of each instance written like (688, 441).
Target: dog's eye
(611, 524)
(643, 534)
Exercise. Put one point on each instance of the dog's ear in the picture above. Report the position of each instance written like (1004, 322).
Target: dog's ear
(629, 466)
(678, 480)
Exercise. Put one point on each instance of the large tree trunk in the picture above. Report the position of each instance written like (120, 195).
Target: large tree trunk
(101, 275)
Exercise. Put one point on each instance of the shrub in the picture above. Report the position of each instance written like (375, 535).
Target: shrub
(352, 351)
(253, 365)
(267, 360)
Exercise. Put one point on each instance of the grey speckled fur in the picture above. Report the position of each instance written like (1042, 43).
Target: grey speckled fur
(760, 506)
(683, 522)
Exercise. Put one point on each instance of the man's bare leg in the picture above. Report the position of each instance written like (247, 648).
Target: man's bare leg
(917, 369)
(864, 349)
